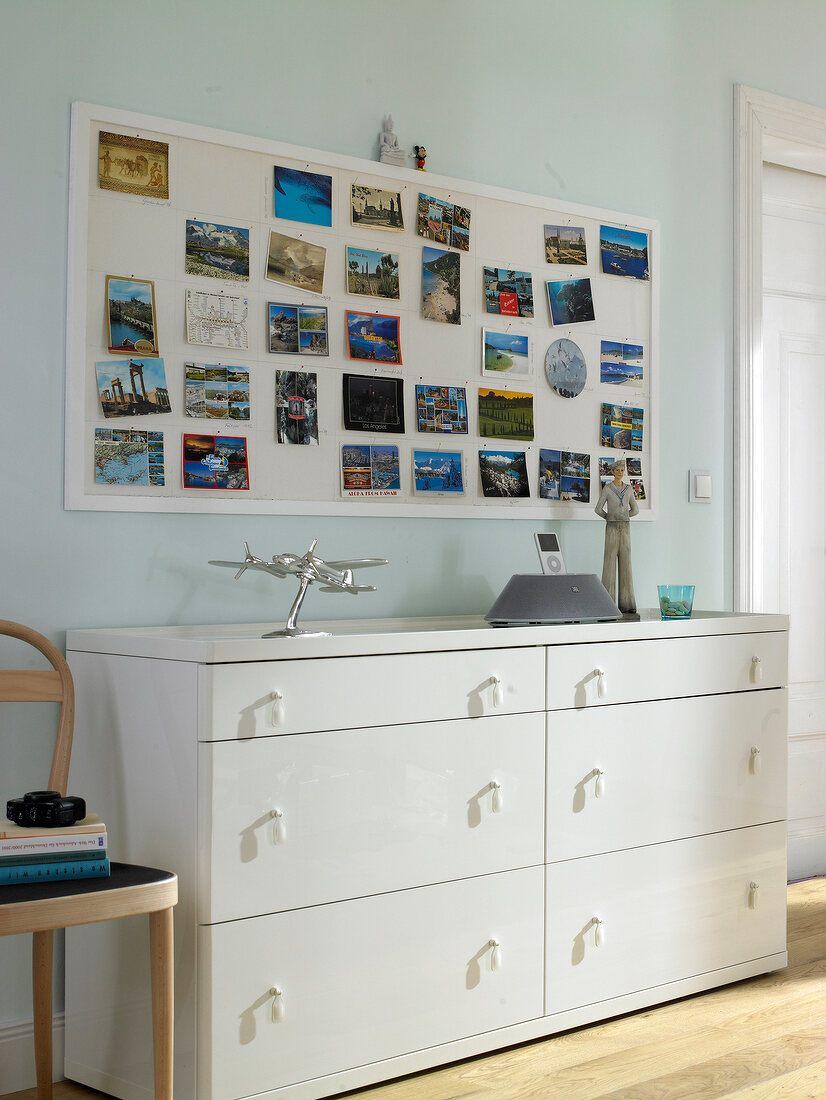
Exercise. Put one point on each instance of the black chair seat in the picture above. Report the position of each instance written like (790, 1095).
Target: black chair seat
(122, 875)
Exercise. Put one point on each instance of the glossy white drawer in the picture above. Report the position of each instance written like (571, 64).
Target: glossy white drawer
(364, 980)
(366, 811)
(246, 700)
(667, 911)
(640, 773)
(602, 673)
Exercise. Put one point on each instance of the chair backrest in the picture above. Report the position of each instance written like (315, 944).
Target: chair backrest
(53, 685)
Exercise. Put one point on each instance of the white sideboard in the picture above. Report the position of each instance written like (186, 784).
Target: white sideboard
(418, 840)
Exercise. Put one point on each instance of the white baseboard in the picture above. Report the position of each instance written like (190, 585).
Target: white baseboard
(17, 1054)
(807, 854)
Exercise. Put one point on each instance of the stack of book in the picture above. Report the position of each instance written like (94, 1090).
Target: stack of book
(29, 855)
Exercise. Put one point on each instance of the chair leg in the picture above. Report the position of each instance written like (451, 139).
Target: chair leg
(162, 965)
(42, 953)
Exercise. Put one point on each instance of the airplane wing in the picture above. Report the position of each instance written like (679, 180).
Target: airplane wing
(267, 566)
(354, 588)
(357, 563)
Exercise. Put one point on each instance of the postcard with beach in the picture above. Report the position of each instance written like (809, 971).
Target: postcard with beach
(504, 474)
(373, 404)
(302, 196)
(296, 407)
(368, 471)
(441, 297)
(374, 274)
(565, 368)
(505, 414)
(441, 409)
(133, 165)
(132, 387)
(128, 457)
(130, 313)
(438, 472)
(217, 392)
(507, 291)
(623, 252)
(621, 427)
(565, 244)
(575, 481)
(571, 301)
(373, 208)
(549, 474)
(373, 336)
(443, 222)
(215, 462)
(505, 354)
(621, 364)
(217, 251)
(296, 263)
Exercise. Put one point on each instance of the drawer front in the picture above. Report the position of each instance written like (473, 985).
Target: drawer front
(367, 811)
(602, 673)
(623, 776)
(668, 911)
(246, 700)
(365, 980)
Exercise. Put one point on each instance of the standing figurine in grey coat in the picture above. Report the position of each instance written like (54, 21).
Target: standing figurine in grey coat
(616, 505)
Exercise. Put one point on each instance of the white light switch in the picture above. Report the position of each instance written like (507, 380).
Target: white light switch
(699, 486)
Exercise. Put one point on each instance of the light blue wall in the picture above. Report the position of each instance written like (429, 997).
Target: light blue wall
(625, 104)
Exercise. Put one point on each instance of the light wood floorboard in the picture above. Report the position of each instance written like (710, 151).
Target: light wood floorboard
(761, 1039)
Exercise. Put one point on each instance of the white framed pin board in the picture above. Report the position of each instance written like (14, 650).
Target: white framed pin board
(227, 178)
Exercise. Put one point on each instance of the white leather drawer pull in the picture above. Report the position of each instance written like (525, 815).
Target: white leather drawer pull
(599, 786)
(756, 760)
(599, 931)
(495, 955)
(754, 895)
(496, 801)
(279, 829)
(277, 708)
(498, 691)
(277, 995)
(756, 670)
(602, 684)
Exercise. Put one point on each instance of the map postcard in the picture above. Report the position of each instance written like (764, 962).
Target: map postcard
(374, 208)
(623, 252)
(296, 407)
(441, 299)
(504, 474)
(438, 472)
(621, 364)
(441, 409)
(132, 387)
(565, 244)
(219, 320)
(128, 457)
(216, 392)
(508, 292)
(443, 222)
(373, 336)
(215, 462)
(130, 312)
(373, 404)
(570, 301)
(217, 251)
(505, 354)
(373, 273)
(303, 196)
(505, 414)
(296, 263)
(133, 165)
(297, 330)
(368, 471)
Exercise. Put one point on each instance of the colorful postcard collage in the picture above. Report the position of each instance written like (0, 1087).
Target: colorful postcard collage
(215, 462)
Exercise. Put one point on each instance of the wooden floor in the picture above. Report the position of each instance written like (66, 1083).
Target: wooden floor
(761, 1039)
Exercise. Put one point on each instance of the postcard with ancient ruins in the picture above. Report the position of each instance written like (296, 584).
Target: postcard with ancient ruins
(133, 165)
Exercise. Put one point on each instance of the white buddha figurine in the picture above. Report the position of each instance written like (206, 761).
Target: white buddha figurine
(390, 153)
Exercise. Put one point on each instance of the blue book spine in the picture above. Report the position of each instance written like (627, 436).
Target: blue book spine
(32, 873)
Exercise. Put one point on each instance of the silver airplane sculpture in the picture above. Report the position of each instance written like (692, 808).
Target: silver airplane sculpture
(334, 576)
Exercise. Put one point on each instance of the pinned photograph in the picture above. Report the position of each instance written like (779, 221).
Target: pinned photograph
(621, 427)
(373, 404)
(375, 274)
(633, 467)
(296, 407)
(623, 252)
(437, 472)
(370, 471)
(215, 462)
(441, 409)
(638, 487)
(133, 165)
(130, 312)
(565, 368)
(575, 481)
(132, 387)
(443, 222)
(441, 297)
(570, 301)
(507, 291)
(606, 468)
(621, 364)
(373, 336)
(505, 354)
(217, 251)
(549, 474)
(296, 263)
(303, 196)
(219, 320)
(312, 330)
(565, 244)
(215, 392)
(505, 414)
(504, 474)
(297, 330)
(374, 208)
(128, 457)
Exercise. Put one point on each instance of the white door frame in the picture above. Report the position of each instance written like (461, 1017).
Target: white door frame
(782, 131)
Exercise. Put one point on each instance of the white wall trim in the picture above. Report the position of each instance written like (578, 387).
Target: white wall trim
(17, 1054)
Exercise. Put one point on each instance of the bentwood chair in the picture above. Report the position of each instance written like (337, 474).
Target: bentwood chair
(130, 890)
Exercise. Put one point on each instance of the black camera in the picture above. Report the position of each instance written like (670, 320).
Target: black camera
(45, 809)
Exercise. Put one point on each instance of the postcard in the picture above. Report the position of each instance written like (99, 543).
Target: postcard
(549, 474)
(606, 472)
(621, 364)
(374, 208)
(443, 222)
(505, 414)
(132, 387)
(441, 409)
(373, 273)
(303, 196)
(575, 480)
(296, 407)
(505, 354)
(373, 404)
(437, 472)
(633, 466)
(441, 298)
(565, 368)
(219, 320)
(130, 311)
(565, 244)
(128, 457)
(215, 462)
(638, 487)
(296, 263)
(570, 301)
(217, 251)
(504, 474)
(136, 166)
(217, 392)
(373, 336)
(622, 427)
(370, 471)
(508, 292)
(623, 252)
(297, 330)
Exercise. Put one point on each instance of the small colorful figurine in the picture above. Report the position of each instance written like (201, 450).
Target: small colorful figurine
(420, 153)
